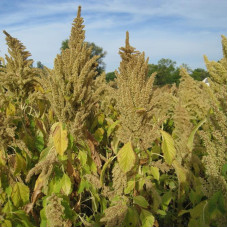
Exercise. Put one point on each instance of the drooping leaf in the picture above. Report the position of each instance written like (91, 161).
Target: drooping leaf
(112, 127)
(104, 169)
(60, 138)
(126, 157)
(192, 135)
(168, 148)
(20, 194)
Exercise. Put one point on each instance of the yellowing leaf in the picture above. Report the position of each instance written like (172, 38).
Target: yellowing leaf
(168, 148)
(155, 172)
(181, 172)
(20, 164)
(126, 157)
(182, 177)
(2, 157)
(10, 110)
(60, 138)
(101, 118)
(38, 88)
(50, 115)
(66, 184)
(20, 194)
(40, 181)
(99, 133)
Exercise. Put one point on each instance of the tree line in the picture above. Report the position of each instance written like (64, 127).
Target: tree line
(167, 70)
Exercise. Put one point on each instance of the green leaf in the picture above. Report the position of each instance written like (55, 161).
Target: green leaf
(182, 212)
(112, 127)
(166, 198)
(83, 185)
(44, 153)
(8, 191)
(147, 218)
(82, 156)
(20, 194)
(130, 186)
(39, 141)
(168, 148)
(141, 201)
(66, 184)
(198, 210)
(224, 170)
(126, 157)
(192, 135)
(216, 204)
(101, 118)
(195, 196)
(99, 133)
(60, 138)
(155, 172)
(161, 212)
(43, 217)
(8, 208)
(104, 169)
(132, 217)
(23, 217)
(141, 183)
(6, 223)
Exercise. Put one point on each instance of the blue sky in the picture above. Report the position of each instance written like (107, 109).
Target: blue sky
(182, 30)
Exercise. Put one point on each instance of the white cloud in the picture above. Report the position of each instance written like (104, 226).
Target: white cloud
(191, 29)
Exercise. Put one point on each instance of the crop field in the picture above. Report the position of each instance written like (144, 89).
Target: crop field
(76, 150)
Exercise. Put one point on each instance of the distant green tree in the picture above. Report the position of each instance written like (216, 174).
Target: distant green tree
(39, 65)
(186, 66)
(167, 72)
(110, 76)
(199, 74)
(96, 50)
